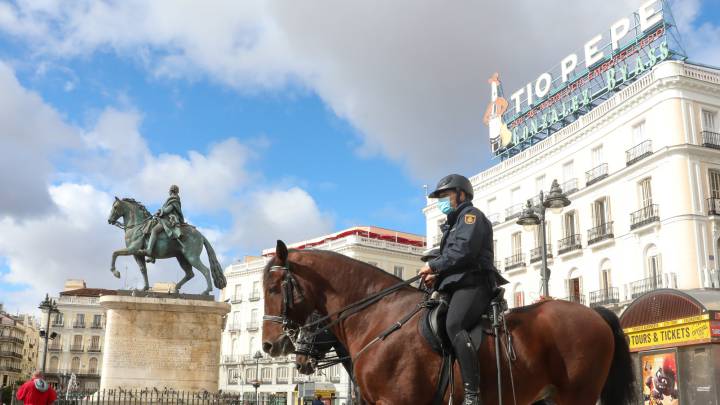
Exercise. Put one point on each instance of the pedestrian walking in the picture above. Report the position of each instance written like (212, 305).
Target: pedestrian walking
(37, 391)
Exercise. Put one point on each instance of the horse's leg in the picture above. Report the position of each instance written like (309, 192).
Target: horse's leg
(140, 259)
(187, 268)
(119, 252)
(198, 264)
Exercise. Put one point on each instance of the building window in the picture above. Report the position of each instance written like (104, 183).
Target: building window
(254, 316)
(398, 271)
(539, 184)
(597, 156)
(282, 374)
(638, 133)
(95, 342)
(77, 342)
(492, 206)
(652, 262)
(574, 286)
(568, 171)
(600, 212)
(518, 296)
(605, 281)
(80, 320)
(266, 374)
(537, 231)
(645, 192)
(251, 345)
(714, 177)
(238, 293)
(92, 365)
(58, 319)
(255, 291)
(515, 196)
(516, 243)
(569, 223)
(236, 320)
(250, 374)
(233, 347)
(53, 364)
(708, 120)
(75, 365)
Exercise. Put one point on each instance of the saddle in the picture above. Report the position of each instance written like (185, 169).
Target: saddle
(432, 328)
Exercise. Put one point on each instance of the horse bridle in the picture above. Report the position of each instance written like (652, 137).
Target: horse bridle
(289, 285)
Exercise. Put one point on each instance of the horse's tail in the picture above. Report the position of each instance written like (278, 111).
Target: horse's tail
(619, 387)
(215, 268)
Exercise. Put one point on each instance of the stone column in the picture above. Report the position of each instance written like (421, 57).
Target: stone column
(162, 341)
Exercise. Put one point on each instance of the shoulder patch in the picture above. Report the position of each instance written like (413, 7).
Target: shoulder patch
(470, 219)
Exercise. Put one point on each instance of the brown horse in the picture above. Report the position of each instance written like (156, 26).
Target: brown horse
(567, 353)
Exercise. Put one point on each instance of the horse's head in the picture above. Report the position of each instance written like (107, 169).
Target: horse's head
(116, 212)
(286, 306)
(311, 346)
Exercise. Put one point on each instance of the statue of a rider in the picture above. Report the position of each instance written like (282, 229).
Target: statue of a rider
(169, 219)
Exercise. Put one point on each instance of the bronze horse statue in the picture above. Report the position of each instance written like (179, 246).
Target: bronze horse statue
(187, 251)
(566, 353)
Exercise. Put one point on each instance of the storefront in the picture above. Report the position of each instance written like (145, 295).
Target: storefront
(305, 392)
(674, 338)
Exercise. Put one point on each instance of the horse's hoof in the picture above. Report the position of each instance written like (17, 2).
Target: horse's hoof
(115, 273)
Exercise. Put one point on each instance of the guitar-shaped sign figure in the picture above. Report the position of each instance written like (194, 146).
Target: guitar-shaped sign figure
(494, 112)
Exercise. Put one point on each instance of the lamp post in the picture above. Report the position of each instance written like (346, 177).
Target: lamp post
(556, 200)
(256, 384)
(51, 307)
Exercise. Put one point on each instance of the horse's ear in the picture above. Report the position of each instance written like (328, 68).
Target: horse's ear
(281, 252)
(117, 199)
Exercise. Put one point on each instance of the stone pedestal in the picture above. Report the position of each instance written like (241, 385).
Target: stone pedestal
(161, 340)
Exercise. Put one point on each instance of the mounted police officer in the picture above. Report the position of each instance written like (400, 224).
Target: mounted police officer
(169, 218)
(465, 270)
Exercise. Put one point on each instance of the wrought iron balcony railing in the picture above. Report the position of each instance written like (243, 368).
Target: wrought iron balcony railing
(234, 327)
(644, 216)
(252, 326)
(57, 324)
(230, 359)
(55, 347)
(255, 296)
(579, 299)
(569, 243)
(536, 254)
(514, 261)
(513, 211)
(12, 339)
(711, 139)
(78, 325)
(94, 349)
(638, 152)
(607, 296)
(596, 174)
(96, 325)
(76, 348)
(600, 233)
(236, 299)
(494, 218)
(713, 206)
(570, 186)
(640, 287)
(10, 368)
(11, 353)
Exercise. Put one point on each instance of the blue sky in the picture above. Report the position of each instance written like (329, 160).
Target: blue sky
(337, 122)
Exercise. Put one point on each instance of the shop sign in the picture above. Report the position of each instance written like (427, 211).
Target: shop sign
(679, 332)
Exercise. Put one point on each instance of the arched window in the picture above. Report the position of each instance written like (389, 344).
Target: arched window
(518, 295)
(266, 375)
(75, 365)
(53, 364)
(652, 263)
(93, 365)
(605, 280)
(574, 286)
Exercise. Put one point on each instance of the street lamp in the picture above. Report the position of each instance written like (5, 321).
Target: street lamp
(51, 307)
(256, 383)
(556, 200)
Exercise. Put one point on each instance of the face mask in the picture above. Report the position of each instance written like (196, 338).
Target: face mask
(444, 205)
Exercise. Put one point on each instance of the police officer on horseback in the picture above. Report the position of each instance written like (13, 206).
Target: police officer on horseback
(465, 270)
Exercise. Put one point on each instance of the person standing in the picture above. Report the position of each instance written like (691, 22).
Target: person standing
(465, 271)
(37, 391)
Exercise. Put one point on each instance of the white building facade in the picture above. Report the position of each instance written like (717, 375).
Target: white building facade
(395, 252)
(80, 328)
(642, 172)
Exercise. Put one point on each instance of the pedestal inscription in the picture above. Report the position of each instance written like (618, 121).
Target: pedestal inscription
(162, 342)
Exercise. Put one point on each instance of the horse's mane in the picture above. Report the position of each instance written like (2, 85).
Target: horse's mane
(137, 204)
(376, 270)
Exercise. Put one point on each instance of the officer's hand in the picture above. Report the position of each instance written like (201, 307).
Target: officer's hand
(429, 280)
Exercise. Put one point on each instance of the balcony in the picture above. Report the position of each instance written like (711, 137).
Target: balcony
(570, 186)
(711, 139)
(713, 206)
(230, 359)
(578, 299)
(11, 368)
(55, 347)
(266, 380)
(570, 243)
(255, 296)
(514, 262)
(79, 325)
(12, 339)
(233, 381)
(605, 297)
(94, 349)
(498, 264)
(644, 216)
(596, 174)
(236, 299)
(494, 218)
(11, 353)
(57, 324)
(252, 326)
(282, 380)
(514, 211)
(234, 327)
(536, 254)
(600, 233)
(76, 348)
(640, 287)
(96, 325)
(638, 152)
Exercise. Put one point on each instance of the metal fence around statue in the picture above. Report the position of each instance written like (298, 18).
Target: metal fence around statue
(156, 396)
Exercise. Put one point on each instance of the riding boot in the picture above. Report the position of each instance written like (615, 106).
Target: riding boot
(469, 367)
(148, 251)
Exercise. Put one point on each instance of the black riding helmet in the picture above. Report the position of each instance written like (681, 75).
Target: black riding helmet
(453, 182)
